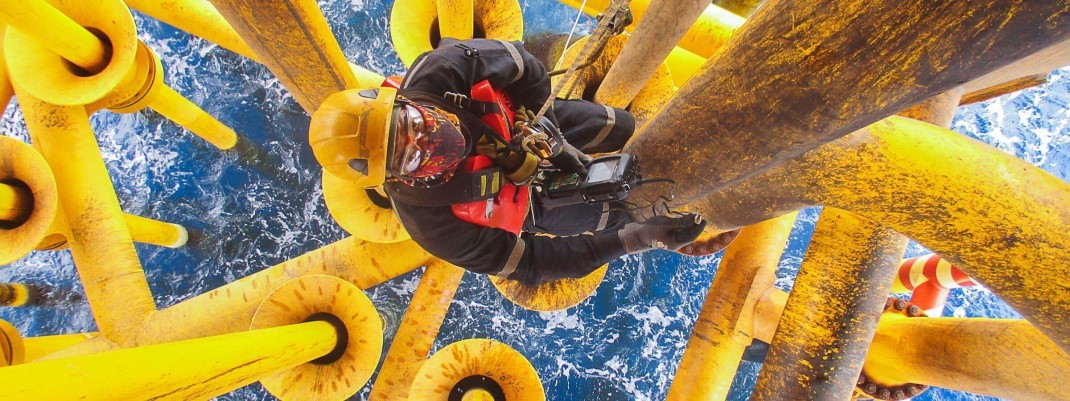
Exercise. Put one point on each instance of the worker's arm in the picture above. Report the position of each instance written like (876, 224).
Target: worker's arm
(457, 65)
(528, 258)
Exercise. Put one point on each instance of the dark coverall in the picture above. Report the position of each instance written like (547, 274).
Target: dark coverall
(455, 67)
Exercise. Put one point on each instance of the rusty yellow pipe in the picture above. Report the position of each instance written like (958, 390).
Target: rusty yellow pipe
(231, 307)
(413, 24)
(417, 332)
(995, 357)
(198, 17)
(103, 251)
(833, 310)
(1042, 62)
(646, 49)
(14, 294)
(309, 63)
(998, 218)
(193, 369)
(142, 86)
(56, 31)
(37, 347)
(15, 204)
(456, 18)
(736, 117)
(712, 29)
(725, 325)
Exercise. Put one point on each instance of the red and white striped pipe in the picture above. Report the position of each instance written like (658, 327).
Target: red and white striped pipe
(930, 278)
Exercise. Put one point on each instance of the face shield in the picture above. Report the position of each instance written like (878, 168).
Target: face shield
(428, 144)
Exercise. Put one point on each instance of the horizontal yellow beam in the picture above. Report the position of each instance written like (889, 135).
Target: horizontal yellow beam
(55, 31)
(194, 369)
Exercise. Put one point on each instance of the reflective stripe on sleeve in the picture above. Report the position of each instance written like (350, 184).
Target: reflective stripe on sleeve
(611, 121)
(514, 259)
(516, 58)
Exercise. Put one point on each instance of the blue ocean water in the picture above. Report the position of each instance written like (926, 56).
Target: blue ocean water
(252, 210)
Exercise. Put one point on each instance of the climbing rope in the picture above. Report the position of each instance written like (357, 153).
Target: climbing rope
(612, 22)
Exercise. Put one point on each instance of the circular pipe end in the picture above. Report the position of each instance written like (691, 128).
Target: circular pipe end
(21, 165)
(345, 370)
(555, 295)
(414, 24)
(476, 368)
(363, 213)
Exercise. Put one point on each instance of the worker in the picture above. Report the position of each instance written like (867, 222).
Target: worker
(462, 189)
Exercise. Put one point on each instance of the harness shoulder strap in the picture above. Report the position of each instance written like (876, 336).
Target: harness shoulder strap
(463, 187)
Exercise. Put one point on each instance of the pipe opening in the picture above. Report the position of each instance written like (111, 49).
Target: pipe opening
(24, 192)
(478, 32)
(475, 383)
(339, 329)
(81, 72)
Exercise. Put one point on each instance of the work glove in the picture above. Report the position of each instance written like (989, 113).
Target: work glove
(571, 160)
(664, 232)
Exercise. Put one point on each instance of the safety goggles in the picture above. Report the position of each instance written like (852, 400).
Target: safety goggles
(427, 142)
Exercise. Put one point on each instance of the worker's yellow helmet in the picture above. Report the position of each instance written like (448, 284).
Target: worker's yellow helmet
(350, 133)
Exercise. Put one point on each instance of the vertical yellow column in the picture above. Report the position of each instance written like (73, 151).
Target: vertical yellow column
(103, 251)
(456, 18)
(833, 309)
(6, 91)
(725, 325)
(294, 41)
(417, 331)
(734, 133)
(192, 369)
(651, 42)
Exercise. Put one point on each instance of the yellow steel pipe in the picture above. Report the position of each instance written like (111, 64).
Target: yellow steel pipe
(725, 326)
(456, 18)
(647, 48)
(142, 230)
(38, 347)
(192, 369)
(177, 108)
(6, 90)
(232, 306)
(833, 310)
(994, 357)
(294, 41)
(998, 218)
(103, 251)
(712, 29)
(198, 17)
(14, 294)
(12, 348)
(56, 31)
(417, 332)
(16, 204)
(714, 134)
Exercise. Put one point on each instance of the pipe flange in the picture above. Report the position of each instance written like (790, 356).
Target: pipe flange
(363, 213)
(12, 348)
(866, 387)
(414, 24)
(345, 370)
(139, 88)
(22, 166)
(555, 295)
(657, 91)
(49, 77)
(481, 367)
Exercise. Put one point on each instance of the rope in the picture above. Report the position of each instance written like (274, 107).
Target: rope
(599, 31)
(568, 41)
